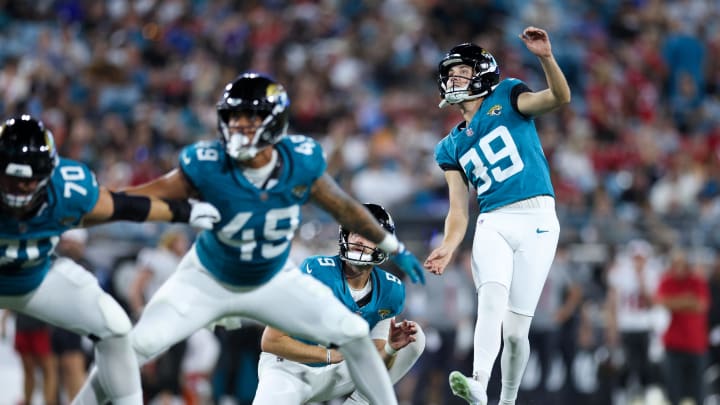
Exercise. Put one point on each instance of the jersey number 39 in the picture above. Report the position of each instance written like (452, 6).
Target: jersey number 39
(497, 147)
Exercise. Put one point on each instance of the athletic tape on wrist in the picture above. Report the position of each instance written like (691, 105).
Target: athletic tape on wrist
(390, 244)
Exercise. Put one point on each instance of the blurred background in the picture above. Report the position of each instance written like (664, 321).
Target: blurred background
(635, 160)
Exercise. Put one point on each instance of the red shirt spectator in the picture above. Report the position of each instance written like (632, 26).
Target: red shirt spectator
(686, 295)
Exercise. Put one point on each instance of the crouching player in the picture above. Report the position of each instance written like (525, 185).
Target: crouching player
(294, 371)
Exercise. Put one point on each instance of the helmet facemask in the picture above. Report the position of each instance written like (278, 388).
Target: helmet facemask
(360, 254)
(28, 158)
(253, 96)
(457, 94)
(14, 197)
(483, 80)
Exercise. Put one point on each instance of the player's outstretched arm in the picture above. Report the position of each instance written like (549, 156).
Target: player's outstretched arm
(456, 223)
(355, 217)
(118, 206)
(537, 41)
(280, 344)
(172, 185)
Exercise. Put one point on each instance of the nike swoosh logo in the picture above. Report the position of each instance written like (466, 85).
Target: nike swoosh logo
(308, 269)
(186, 159)
(538, 230)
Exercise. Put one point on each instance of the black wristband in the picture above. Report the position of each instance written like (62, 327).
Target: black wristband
(129, 207)
(180, 210)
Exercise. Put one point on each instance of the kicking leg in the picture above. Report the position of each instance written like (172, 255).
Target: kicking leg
(492, 303)
(492, 271)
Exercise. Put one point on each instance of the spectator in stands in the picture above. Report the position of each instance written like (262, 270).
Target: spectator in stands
(684, 291)
(32, 343)
(714, 326)
(632, 282)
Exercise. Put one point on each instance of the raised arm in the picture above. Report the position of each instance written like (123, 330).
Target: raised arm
(558, 92)
(164, 199)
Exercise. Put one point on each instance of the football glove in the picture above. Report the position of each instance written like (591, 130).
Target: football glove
(203, 215)
(409, 264)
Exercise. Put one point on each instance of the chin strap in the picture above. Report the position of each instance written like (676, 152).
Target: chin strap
(444, 103)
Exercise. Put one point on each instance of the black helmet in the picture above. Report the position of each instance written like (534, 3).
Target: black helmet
(486, 73)
(257, 95)
(27, 153)
(365, 255)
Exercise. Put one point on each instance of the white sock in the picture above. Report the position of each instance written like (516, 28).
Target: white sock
(368, 371)
(492, 305)
(515, 355)
(482, 377)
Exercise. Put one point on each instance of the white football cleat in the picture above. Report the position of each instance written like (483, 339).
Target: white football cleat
(467, 389)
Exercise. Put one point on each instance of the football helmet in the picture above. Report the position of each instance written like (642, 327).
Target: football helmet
(486, 74)
(256, 95)
(27, 159)
(360, 254)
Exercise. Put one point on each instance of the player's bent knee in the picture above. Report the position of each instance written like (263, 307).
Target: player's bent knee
(515, 338)
(116, 320)
(146, 346)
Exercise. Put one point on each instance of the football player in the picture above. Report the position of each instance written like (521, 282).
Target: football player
(293, 371)
(258, 178)
(496, 150)
(41, 196)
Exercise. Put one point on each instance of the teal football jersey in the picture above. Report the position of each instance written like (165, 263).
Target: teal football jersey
(499, 152)
(26, 246)
(388, 293)
(387, 297)
(251, 243)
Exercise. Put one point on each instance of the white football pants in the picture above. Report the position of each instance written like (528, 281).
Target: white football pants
(71, 298)
(514, 246)
(284, 382)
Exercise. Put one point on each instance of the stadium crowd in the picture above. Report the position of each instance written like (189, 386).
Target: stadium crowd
(635, 158)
